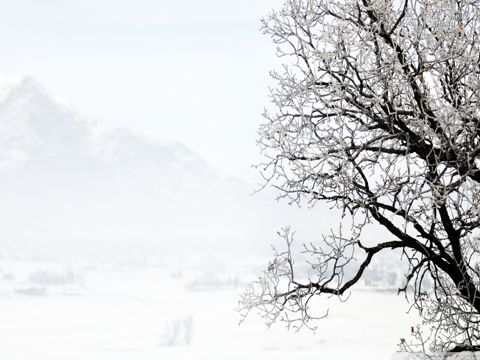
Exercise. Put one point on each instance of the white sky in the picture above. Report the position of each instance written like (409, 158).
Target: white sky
(189, 71)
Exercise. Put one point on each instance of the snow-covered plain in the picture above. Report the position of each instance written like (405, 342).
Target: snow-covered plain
(61, 311)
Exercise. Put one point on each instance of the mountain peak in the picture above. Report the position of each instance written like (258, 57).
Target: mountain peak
(29, 90)
(36, 125)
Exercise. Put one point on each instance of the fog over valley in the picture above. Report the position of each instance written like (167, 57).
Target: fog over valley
(76, 187)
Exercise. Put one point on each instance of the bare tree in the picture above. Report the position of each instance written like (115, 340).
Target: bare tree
(376, 110)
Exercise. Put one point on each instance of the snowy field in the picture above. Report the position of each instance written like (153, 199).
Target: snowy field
(174, 311)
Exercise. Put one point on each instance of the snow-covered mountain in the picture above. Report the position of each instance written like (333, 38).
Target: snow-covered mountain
(36, 125)
(66, 179)
(71, 186)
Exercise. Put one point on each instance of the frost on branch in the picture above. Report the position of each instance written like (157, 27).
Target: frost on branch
(279, 293)
(376, 111)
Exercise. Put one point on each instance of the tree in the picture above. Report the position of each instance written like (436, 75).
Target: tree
(376, 111)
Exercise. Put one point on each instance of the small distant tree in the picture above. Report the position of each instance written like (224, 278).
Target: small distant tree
(377, 111)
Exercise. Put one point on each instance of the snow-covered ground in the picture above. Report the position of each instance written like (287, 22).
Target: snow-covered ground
(175, 310)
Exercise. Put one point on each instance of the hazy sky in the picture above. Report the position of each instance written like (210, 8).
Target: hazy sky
(189, 71)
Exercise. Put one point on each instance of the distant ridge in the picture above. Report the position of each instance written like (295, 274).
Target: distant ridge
(75, 187)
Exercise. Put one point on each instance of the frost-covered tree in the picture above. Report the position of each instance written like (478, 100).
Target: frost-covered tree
(376, 111)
